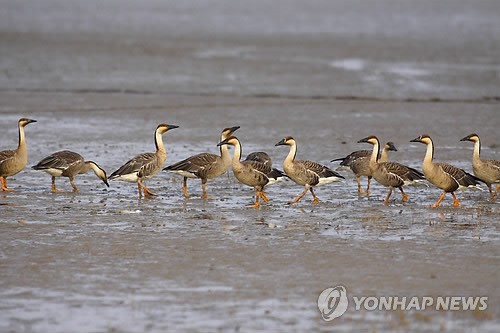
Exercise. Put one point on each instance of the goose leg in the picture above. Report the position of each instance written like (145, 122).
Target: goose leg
(147, 192)
(72, 181)
(439, 200)
(405, 196)
(185, 188)
(3, 180)
(456, 203)
(263, 196)
(298, 198)
(315, 200)
(203, 189)
(494, 194)
(386, 201)
(360, 190)
(139, 189)
(53, 188)
(256, 205)
(368, 186)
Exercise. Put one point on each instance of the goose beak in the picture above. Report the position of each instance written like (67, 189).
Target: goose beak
(222, 143)
(281, 143)
(172, 127)
(31, 121)
(416, 140)
(105, 181)
(234, 129)
(466, 138)
(365, 140)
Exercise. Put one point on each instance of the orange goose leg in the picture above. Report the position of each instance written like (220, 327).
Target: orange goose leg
(53, 188)
(298, 198)
(405, 196)
(3, 180)
(315, 200)
(72, 181)
(456, 203)
(256, 205)
(386, 201)
(439, 200)
(263, 196)
(185, 188)
(204, 189)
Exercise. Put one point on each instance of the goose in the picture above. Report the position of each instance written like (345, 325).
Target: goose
(486, 170)
(251, 173)
(13, 161)
(359, 163)
(67, 163)
(260, 156)
(263, 157)
(205, 165)
(390, 174)
(306, 173)
(146, 165)
(444, 176)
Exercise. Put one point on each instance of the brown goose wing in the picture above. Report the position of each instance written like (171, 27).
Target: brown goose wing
(461, 177)
(196, 164)
(405, 172)
(141, 164)
(60, 160)
(259, 156)
(6, 155)
(349, 159)
(320, 170)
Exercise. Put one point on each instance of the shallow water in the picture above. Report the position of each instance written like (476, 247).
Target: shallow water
(102, 260)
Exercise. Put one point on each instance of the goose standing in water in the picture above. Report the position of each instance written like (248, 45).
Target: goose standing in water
(205, 165)
(69, 164)
(13, 161)
(486, 170)
(359, 163)
(390, 174)
(146, 165)
(250, 172)
(263, 157)
(442, 175)
(306, 173)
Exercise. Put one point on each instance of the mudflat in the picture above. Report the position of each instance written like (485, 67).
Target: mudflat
(102, 260)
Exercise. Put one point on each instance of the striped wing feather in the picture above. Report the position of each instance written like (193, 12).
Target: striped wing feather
(60, 160)
(6, 155)
(460, 176)
(141, 164)
(196, 164)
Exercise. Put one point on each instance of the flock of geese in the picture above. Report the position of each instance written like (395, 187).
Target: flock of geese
(257, 171)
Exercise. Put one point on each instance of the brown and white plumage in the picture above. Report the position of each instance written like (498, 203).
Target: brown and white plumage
(13, 161)
(67, 163)
(359, 163)
(250, 172)
(390, 174)
(205, 165)
(146, 165)
(442, 175)
(486, 170)
(306, 173)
